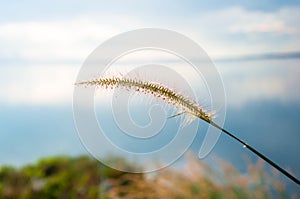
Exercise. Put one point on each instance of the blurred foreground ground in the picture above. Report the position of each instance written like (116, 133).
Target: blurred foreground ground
(83, 177)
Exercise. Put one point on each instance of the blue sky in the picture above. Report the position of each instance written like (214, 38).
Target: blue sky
(43, 44)
(17, 10)
(37, 37)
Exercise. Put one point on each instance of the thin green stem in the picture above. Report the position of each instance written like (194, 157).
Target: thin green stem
(287, 174)
(177, 99)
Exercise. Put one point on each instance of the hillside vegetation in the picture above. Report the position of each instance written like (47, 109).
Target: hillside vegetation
(85, 178)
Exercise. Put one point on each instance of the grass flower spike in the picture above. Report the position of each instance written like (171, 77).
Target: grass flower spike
(185, 105)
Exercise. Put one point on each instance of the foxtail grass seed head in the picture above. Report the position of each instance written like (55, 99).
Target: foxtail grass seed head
(157, 90)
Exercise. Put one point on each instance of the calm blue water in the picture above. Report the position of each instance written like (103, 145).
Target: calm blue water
(268, 118)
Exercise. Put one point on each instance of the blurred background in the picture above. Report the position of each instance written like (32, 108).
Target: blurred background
(254, 45)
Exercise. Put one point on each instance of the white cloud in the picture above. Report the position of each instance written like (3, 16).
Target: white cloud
(59, 40)
(236, 31)
(42, 84)
(284, 21)
(216, 30)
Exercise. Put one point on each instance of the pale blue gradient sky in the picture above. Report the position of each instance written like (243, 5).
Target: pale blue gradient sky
(47, 42)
